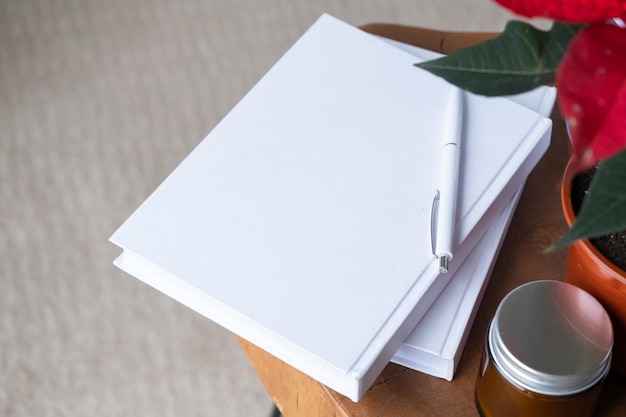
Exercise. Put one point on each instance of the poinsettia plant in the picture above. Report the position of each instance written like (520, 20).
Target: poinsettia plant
(584, 55)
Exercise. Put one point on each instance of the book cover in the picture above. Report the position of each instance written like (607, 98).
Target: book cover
(302, 221)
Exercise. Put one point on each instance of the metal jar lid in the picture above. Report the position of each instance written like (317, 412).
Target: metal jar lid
(551, 338)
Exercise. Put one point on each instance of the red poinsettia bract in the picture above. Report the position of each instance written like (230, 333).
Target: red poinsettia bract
(591, 81)
(568, 10)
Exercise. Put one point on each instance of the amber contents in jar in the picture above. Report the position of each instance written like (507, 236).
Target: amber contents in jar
(547, 353)
(507, 400)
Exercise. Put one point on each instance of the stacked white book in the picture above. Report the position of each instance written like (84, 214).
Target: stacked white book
(302, 222)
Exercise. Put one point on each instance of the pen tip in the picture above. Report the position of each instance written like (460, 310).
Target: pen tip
(443, 264)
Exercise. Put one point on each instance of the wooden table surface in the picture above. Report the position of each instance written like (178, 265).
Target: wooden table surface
(399, 391)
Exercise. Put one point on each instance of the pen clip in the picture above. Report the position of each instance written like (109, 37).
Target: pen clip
(433, 222)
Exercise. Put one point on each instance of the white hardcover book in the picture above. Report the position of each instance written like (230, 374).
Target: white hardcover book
(302, 222)
(436, 344)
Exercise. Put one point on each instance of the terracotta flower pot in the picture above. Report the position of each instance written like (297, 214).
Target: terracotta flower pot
(588, 269)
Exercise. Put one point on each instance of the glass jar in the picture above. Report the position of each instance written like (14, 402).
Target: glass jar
(547, 352)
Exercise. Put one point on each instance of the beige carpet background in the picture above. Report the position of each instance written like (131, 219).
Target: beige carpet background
(99, 101)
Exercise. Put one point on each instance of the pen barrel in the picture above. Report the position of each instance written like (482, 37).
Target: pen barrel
(446, 221)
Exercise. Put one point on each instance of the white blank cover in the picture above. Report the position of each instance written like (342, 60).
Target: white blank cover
(302, 221)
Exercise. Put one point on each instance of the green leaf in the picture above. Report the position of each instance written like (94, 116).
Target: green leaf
(518, 60)
(604, 208)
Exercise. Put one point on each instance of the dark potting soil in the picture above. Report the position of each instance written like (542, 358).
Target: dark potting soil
(612, 245)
